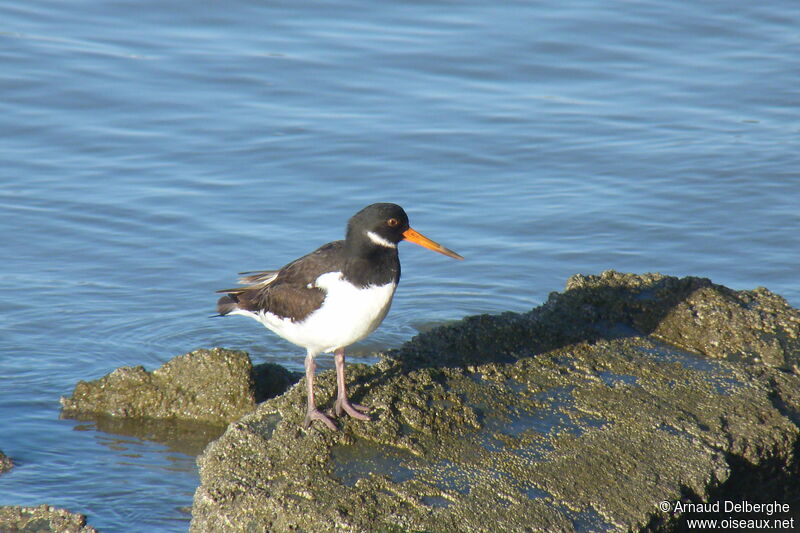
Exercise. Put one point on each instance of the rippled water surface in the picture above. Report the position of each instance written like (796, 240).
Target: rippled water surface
(151, 150)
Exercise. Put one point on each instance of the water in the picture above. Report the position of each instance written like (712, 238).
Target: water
(151, 150)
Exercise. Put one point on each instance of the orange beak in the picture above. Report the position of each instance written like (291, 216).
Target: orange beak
(418, 238)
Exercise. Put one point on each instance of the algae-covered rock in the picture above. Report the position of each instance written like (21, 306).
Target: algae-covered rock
(700, 316)
(42, 519)
(213, 386)
(574, 416)
(689, 312)
(5, 462)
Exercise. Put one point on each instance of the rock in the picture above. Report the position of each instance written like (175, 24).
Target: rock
(272, 380)
(213, 386)
(690, 312)
(699, 316)
(5, 462)
(574, 416)
(42, 519)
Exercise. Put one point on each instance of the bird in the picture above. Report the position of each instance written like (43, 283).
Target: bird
(332, 297)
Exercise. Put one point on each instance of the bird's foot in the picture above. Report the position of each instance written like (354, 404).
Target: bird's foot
(352, 409)
(316, 414)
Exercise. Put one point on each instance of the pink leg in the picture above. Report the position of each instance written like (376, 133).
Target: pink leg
(342, 403)
(312, 412)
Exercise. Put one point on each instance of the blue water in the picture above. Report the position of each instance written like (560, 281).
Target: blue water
(151, 150)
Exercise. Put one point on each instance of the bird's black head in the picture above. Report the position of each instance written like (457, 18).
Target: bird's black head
(380, 224)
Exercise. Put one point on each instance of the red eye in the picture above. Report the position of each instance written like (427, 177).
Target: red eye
(393, 222)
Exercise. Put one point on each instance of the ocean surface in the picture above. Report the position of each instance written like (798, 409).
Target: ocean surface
(150, 150)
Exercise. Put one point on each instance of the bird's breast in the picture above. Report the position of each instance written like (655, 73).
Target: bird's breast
(347, 314)
(353, 309)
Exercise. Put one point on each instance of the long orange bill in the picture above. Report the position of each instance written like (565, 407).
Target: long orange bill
(418, 238)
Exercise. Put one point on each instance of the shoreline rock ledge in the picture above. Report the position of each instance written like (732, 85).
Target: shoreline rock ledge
(214, 386)
(42, 519)
(584, 414)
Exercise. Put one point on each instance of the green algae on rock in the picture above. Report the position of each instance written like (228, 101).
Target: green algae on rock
(574, 416)
(42, 519)
(213, 386)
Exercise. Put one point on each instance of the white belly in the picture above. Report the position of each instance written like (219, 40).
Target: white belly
(347, 315)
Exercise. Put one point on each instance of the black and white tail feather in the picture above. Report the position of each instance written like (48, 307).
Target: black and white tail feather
(256, 279)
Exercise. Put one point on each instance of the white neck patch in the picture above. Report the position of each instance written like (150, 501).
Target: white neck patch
(380, 241)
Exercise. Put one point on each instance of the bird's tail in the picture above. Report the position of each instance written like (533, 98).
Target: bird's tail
(256, 281)
(227, 304)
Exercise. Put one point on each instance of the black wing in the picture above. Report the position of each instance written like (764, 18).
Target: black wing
(289, 292)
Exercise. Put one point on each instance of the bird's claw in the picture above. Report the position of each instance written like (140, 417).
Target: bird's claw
(352, 409)
(316, 414)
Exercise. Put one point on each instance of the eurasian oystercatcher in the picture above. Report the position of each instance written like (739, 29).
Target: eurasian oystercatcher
(332, 297)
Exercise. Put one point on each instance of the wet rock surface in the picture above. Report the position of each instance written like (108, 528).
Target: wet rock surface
(5, 462)
(42, 519)
(583, 414)
(208, 386)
